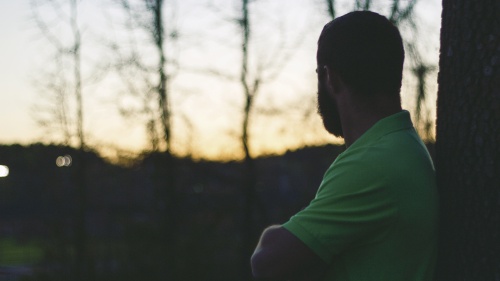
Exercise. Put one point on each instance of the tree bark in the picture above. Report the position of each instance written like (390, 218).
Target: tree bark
(84, 267)
(331, 8)
(468, 141)
(249, 173)
(169, 209)
(160, 44)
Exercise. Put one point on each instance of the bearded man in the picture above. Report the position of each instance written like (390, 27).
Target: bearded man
(375, 213)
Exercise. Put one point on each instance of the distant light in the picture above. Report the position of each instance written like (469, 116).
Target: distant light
(4, 171)
(64, 161)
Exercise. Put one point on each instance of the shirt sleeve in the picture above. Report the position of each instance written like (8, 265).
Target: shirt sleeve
(353, 203)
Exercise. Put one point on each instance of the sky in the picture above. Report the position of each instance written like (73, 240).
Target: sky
(207, 109)
(15, 92)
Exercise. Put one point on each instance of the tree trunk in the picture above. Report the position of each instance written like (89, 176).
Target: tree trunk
(331, 8)
(468, 141)
(160, 44)
(169, 210)
(84, 266)
(249, 175)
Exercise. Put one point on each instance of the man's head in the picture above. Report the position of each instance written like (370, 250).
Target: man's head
(365, 53)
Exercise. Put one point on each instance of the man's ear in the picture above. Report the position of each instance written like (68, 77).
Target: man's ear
(333, 80)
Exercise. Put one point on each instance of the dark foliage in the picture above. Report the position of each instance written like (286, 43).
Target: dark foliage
(37, 204)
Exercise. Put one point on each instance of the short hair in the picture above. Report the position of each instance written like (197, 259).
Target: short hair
(366, 51)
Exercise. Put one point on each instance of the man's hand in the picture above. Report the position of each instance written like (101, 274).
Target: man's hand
(282, 256)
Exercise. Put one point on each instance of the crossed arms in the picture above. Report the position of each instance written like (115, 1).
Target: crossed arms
(280, 255)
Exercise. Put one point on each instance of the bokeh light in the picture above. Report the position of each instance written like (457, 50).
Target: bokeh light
(4, 171)
(64, 161)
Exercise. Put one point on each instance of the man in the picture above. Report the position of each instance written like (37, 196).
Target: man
(374, 216)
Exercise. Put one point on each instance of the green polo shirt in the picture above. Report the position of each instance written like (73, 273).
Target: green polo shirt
(375, 214)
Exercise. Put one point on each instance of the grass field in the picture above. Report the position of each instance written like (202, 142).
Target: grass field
(14, 253)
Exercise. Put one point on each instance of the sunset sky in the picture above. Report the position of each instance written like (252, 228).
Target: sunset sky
(207, 109)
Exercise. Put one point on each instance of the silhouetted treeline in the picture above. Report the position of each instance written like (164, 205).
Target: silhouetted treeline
(37, 205)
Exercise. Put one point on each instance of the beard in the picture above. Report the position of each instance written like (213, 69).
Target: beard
(328, 110)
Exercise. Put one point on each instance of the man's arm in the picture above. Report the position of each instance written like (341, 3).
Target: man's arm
(280, 255)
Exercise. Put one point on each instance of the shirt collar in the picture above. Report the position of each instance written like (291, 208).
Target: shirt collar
(387, 125)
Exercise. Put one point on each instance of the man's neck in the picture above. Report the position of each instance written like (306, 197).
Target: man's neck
(357, 120)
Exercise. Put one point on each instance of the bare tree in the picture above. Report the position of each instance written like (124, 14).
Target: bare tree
(422, 115)
(251, 82)
(404, 14)
(331, 8)
(66, 108)
(363, 4)
(254, 71)
(250, 90)
(62, 113)
(147, 79)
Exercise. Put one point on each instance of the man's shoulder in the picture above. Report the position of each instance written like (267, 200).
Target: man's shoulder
(393, 145)
(397, 152)
(354, 169)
